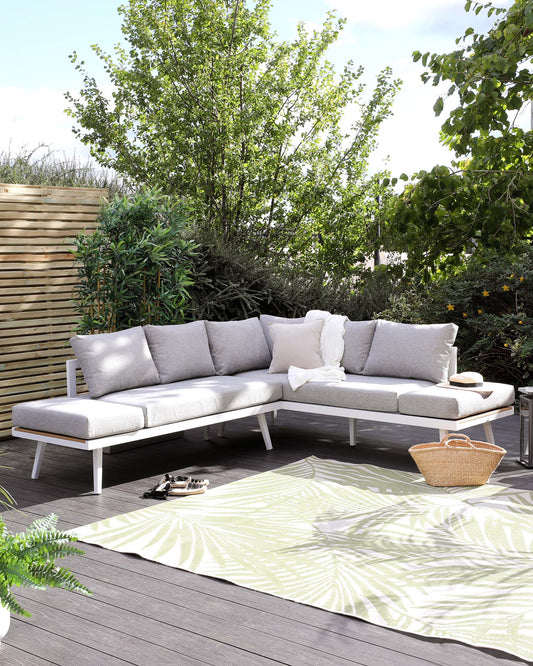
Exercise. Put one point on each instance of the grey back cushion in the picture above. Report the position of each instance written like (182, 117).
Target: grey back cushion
(412, 351)
(115, 361)
(237, 346)
(180, 351)
(266, 320)
(358, 337)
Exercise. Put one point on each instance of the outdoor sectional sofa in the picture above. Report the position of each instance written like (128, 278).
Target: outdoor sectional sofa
(152, 381)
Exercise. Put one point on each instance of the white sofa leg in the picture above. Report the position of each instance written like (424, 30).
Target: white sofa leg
(263, 425)
(442, 434)
(206, 433)
(487, 427)
(220, 429)
(98, 458)
(39, 454)
(352, 425)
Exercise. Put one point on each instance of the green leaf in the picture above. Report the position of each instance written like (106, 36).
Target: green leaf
(438, 106)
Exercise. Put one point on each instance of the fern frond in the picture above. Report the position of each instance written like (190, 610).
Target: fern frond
(9, 601)
(52, 576)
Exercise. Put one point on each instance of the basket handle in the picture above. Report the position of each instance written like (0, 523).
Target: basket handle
(458, 435)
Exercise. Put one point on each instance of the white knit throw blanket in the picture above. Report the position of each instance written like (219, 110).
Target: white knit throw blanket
(331, 350)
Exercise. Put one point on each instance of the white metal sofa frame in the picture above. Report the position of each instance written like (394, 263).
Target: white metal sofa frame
(97, 446)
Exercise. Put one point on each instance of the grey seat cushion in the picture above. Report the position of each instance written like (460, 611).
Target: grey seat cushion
(278, 379)
(193, 398)
(79, 417)
(357, 392)
(180, 351)
(115, 361)
(237, 346)
(446, 403)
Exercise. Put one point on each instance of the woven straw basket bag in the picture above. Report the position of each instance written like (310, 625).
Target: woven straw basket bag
(457, 461)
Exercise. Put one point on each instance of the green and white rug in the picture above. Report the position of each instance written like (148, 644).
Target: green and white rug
(360, 540)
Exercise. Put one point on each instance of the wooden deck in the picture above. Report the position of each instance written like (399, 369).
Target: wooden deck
(148, 614)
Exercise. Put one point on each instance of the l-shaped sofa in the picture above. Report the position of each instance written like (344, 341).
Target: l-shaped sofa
(152, 381)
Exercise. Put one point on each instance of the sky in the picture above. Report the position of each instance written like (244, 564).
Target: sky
(37, 36)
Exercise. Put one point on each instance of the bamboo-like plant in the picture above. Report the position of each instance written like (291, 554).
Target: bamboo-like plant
(135, 268)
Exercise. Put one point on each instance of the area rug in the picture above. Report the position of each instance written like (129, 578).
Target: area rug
(373, 543)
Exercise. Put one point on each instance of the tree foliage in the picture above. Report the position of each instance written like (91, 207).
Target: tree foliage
(206, 104)
(485, 200)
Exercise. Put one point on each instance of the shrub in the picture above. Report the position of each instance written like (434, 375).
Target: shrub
(230, 282)
(492, 303)
(135, 268)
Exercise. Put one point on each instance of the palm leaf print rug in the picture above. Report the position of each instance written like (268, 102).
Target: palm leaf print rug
(373, 543)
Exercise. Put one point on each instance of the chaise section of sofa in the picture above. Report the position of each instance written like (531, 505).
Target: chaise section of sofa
(445, 403)
(79, 417)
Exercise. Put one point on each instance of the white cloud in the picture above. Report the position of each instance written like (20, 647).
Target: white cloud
(32, 117)
(397, 14)
(391, 14)
(410, 137)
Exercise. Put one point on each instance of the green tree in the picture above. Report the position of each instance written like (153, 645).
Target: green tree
(484, 201)
(207, 105)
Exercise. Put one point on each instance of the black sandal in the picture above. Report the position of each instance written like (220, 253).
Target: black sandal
(158, 492)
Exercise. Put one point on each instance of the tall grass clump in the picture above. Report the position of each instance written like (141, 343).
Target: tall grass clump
(43, 166)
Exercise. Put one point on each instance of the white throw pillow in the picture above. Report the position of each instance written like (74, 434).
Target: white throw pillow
(411, 351)
(267, 320)
(296, 344)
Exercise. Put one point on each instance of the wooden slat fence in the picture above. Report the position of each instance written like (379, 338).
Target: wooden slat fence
(37, 277)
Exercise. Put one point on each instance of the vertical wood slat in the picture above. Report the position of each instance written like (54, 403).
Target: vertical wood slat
(37, 278)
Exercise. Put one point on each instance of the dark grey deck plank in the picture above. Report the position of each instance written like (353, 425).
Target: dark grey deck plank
(27, 636)
(12, 656)
(217, 616)
(111, 643)
(178, 629)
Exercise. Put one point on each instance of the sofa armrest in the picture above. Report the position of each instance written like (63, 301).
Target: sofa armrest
(452, 368)
(71, 366)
